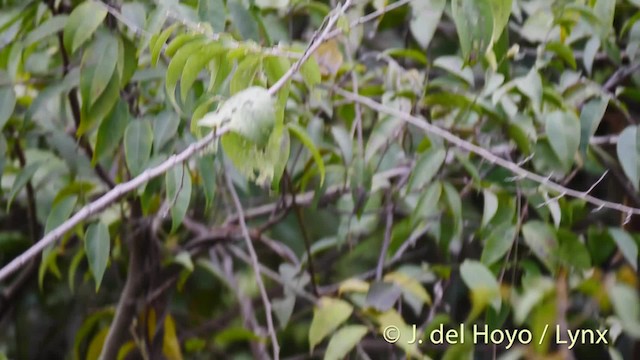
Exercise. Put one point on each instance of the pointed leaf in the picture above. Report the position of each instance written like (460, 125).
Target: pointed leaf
(82, 23)
(138, 140)
(328, 314)
(178, 182)
(343, 341)
(425, 16)
(627, 245)
(97, 245)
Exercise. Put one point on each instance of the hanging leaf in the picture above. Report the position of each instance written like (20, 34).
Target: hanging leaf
(426, 168)
(483, 285)
(542, 242)
(111, 131)
(590, 117)
(343, 341)
(195, 64)
(627, 245)
(425, 16)
(628, 155)
(158, 42)
(138, 140)
(165, 128)
(50, 27)
(97, 245)
(21, 180)
(328, 314)
(474, 23)
(82, 23)
(563, 131)
(178, 182)
(498, 243)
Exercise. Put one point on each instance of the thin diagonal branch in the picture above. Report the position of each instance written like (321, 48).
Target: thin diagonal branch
(487, 155)
(107, 200)
(256, 268)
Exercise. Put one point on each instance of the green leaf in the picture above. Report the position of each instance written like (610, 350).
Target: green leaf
(214, 12)
(563, 51)
(572, 252)
(50, 27)
(343, 341)
(107, 54)
(272, 4)
(626, 305)
(627, 245)
(73, 267)
(176, 66)
(426, 168)
(498, 243)
(243, 20)
(127, 60)
(590, 52)
(138, 140)
(195, 64)
(328, 314)
(563, 131)
(531, 86)
(208, 177)
(158, 42)
(590, 117)
(111, 131)
(542, 242)
(628, 154)
(82, 23)
(474, 22)
(483, 285)
(165, 128)
(490, 206)
(301, 134)
(181, 40)
(97, 245)
(244, 74)
(178, 182)
(60, 212)
(7, 104)
(425, 16)
(21, 180)
(310, 72)
(604, 11)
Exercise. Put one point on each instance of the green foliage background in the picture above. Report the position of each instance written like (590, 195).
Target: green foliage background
(359, 215)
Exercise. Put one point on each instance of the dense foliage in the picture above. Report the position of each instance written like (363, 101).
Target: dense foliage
(343, 169)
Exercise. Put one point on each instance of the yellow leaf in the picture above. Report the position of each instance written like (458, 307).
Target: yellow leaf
(95, 347)
(329, 57)
(170, 344)
(353, 285)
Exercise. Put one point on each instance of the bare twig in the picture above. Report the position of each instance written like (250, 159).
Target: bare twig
(256, 268)
(314, 44)
(486, 154)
